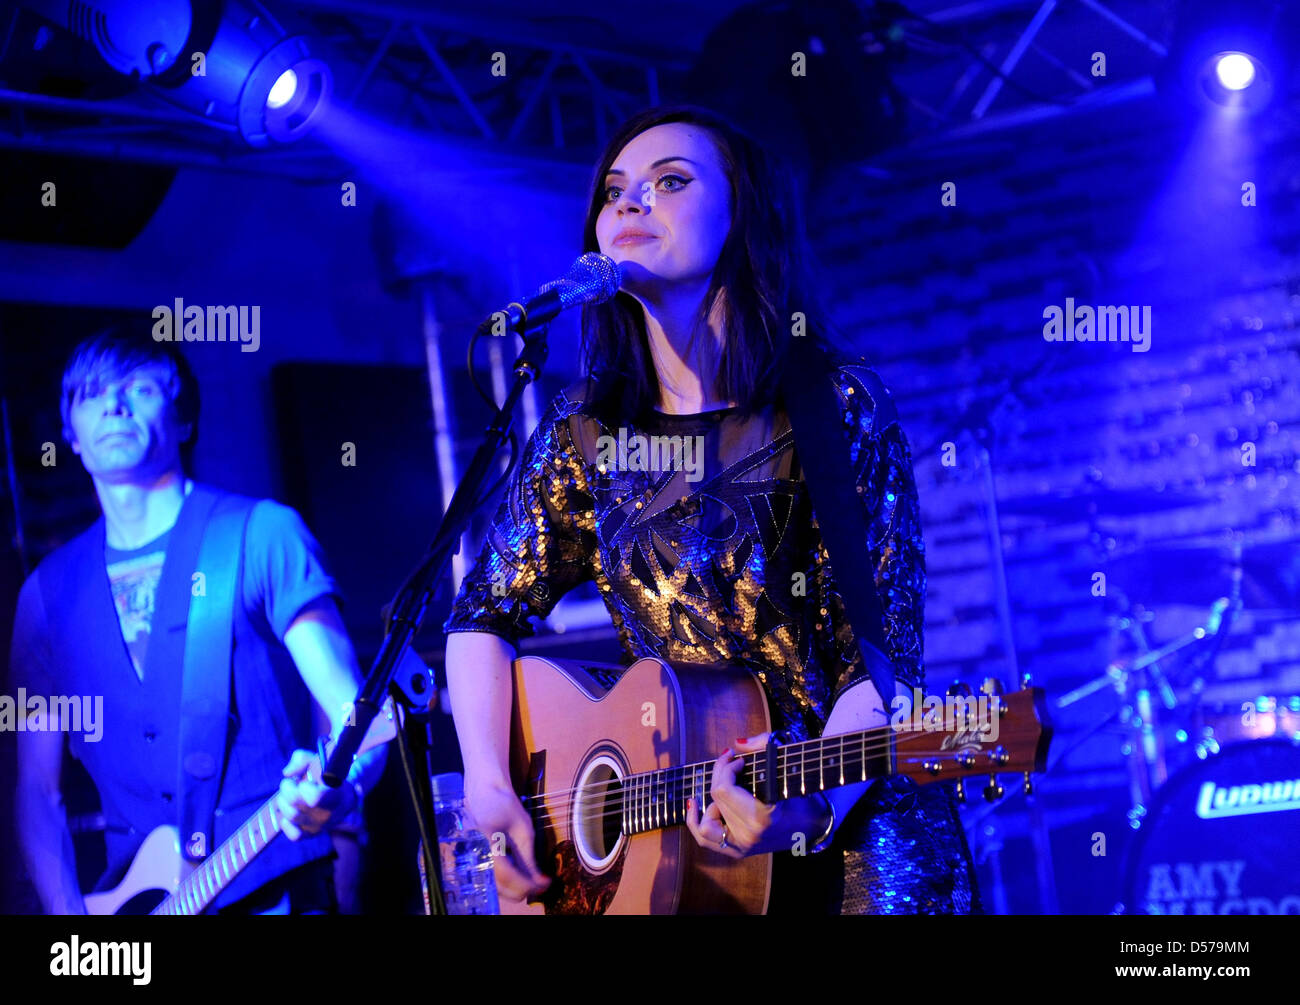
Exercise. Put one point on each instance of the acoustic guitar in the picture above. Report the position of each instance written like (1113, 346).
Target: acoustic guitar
(605, 759)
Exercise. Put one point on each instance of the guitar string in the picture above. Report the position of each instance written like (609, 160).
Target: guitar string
(663, 807)
(209, 868)
(786, 755)
(853, 755)
(661, 795)
(669, 814)
(174, 903)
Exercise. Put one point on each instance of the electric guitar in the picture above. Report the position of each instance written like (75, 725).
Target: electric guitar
(160, 880)
(605, 759)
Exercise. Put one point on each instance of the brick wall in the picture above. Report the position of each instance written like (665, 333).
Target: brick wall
(1136, 205)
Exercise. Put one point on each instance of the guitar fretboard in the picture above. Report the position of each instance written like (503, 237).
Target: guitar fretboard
(656, 799)
(201, 887)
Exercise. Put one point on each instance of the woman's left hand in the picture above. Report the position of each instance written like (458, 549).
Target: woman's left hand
(736, 824)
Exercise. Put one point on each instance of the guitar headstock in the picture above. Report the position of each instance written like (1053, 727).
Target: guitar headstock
(975, 736)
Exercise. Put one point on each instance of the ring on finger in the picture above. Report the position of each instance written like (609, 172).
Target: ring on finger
(724, 837)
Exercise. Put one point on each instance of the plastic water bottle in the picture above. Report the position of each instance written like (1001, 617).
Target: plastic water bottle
(469, 885)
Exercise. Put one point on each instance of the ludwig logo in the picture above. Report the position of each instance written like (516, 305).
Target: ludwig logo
(1240, 800)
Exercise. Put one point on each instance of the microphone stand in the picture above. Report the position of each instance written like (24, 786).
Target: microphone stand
(413, 599)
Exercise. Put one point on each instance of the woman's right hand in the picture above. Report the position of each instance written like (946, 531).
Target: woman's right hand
(481, 684)
(498, 814)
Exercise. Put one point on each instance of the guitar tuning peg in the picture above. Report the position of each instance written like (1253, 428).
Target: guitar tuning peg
(961, 790)
(993, 791)
(1026, 680)
(958, 687)
(1029, 785)
(992, 689)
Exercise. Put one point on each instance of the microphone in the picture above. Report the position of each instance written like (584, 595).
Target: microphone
(592, 279)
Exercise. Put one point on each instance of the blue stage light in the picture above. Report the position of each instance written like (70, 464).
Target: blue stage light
(230, 63)
(1235, 70)
(282, 90)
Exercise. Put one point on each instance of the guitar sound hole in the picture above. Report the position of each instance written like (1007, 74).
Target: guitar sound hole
(597, 823)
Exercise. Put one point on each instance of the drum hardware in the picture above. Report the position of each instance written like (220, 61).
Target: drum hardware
(1149, 685)
(1222, 837)
(1261, 718)
(1218, 834)
(1138, 681)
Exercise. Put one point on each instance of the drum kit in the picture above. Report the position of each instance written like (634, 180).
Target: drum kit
(1214, 786)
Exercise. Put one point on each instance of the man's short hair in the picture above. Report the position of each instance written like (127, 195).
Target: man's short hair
(113, 353)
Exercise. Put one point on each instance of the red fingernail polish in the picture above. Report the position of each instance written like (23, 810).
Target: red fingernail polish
(742, 739)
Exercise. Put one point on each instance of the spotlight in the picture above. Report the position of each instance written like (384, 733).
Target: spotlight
(1236, 80)
(1234, 70)
(283, 95)
(282, 90)
(1230, 57)
(230, 63)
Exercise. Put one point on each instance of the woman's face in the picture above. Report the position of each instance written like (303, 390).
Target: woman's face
(668, 183)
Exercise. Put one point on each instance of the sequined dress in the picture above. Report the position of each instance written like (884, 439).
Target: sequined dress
(705, 549)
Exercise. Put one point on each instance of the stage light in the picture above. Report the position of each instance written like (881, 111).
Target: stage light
(229, 63)
(1234, 70)
(1236, 80)
(1231, 59)
(282, 90)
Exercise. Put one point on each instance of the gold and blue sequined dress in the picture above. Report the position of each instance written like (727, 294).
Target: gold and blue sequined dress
(719, 560)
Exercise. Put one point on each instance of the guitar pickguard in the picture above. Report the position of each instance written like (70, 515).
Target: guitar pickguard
(576, 891)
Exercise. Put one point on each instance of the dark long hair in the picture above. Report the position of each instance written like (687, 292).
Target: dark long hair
(764, 266)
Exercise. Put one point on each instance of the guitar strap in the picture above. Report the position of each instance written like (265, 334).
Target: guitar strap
(810, 397)
(206, 721)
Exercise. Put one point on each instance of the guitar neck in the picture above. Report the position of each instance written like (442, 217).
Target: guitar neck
(201, 887)
(656, 799)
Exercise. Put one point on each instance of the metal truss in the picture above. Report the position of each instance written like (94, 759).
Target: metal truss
(991, 64)
(503, 86)
(546, 71)
(568, 76)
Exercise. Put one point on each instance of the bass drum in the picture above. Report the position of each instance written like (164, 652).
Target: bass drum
(1223, 837)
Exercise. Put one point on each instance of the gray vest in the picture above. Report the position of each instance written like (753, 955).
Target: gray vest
(165, 756)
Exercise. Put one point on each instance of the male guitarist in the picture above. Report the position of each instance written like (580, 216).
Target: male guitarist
(206, 705)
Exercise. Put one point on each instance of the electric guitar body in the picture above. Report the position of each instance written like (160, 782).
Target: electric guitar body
(157, 869)
(161, 881)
